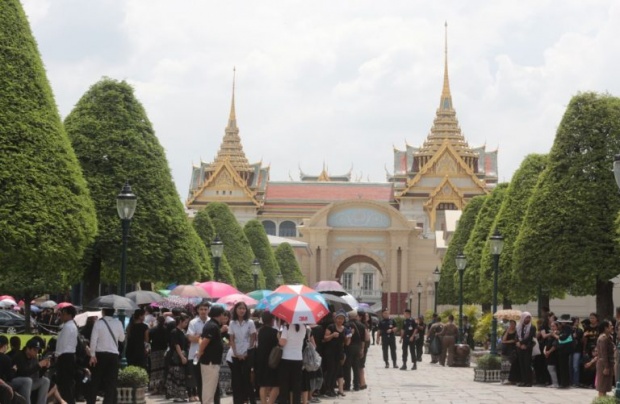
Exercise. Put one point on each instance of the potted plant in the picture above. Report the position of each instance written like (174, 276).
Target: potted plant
(488, 368)
(132, 383)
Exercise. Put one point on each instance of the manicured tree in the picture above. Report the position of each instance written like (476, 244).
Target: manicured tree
(206, 231)
(255, 232)
(236, 245)
(449, 280)
(566, 242)
(508, 221)
(114, 141)
(291, 272)
(473, 249)
(47, 217)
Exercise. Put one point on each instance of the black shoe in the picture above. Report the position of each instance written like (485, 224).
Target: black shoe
(387, 365)
(356, 389)
(414, 367)
(404, 367)
(395, 365)
(330, 393)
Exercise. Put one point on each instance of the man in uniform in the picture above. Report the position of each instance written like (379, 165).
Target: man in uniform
(407, 338)
(448, 334)
(387, 330)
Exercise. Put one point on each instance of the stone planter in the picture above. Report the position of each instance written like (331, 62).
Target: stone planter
(131, 395)
(487, 376)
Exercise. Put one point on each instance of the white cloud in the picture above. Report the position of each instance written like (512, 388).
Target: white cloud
(334, 82)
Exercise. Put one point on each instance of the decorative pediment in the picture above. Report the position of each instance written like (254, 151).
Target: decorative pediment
(446, 162)
(446, 191)
(223, 178)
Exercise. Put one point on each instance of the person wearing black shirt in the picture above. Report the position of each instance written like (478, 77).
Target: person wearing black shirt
(526, 332)
(419, 342)
(210, 353)
(6, 391)
(387, 330)
(355, 351)
(27, 376)
(407, 338)
(137, 337)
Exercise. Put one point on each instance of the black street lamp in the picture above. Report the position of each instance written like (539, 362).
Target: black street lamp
(255, 272)
(126, 206)
(217, 249)
(497, 243)
(420, 287)
(461, 263)
(436, 276)
(279, 279)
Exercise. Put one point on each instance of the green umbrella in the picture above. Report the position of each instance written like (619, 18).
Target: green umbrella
(260, 294)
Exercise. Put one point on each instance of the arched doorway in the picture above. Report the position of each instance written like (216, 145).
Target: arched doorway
(362, 277)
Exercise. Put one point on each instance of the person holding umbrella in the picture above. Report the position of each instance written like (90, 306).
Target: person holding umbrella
(290, 369)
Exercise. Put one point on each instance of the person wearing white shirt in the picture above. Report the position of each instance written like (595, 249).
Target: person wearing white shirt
(194, 330)
(107, 334)
(242, 333)
(289, 371)
(65, 355)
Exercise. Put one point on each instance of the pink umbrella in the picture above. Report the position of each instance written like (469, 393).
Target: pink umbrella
(62, 305)
(218, 289)
(4, 297)
(333, 287)
(233, 299)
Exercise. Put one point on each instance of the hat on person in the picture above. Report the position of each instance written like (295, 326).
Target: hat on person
(33, 343)
(565, 318)
(340, 313)
(352, 313)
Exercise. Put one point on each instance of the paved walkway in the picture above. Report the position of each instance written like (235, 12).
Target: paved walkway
(436, 384)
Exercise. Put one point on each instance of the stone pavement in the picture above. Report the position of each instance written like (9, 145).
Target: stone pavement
(437, 384)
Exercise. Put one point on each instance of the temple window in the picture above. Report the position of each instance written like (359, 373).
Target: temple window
(287, 229)
(270, 227)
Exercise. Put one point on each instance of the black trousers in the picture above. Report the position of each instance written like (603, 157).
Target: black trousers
(409, 347)
(241, 383)
(290, 375)
(105, 374)
(197, 378)
(389, 342)
(524, 357)
(65, 377)
(563, 367)
(419, 348)
(352, 364)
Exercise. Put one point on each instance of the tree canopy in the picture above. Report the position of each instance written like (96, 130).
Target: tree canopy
(474, 273)
(206, 231)
(566, 242)
(236, 245)
(449, 281)
(291, 272)
(255, 232)
(508, 221)
(47, 217)
(115, 141)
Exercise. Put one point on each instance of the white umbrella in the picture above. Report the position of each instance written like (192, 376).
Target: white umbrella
(351, 300)
(9, 302)
(81, 318)
(48, 304)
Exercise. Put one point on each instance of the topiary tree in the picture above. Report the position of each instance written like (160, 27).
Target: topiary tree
(567, 240)
(237, 248)
(291, 272)
(206, 231)
(474, 273)
(449, 280)
(255, 232)
(115, 142)
(47, 217)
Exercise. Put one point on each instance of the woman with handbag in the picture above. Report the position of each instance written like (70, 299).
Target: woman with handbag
(176, 382)
(266, 377)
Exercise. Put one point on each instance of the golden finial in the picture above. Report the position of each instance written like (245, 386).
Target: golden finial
(232, 119)
(446, 97)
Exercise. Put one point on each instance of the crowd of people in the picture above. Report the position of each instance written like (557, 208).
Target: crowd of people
(562, 352)
(192, 354)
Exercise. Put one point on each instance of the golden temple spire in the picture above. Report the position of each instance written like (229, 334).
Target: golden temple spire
(446, 97)
(232, 119)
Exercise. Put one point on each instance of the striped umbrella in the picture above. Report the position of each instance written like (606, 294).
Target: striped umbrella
(297, 304)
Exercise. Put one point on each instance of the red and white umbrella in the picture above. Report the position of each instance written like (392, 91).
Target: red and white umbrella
(297, 304)
(235, 298)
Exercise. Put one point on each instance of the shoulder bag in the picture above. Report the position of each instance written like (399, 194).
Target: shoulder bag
(274, 357)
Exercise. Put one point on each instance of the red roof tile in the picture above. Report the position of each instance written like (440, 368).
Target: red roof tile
(327, 192)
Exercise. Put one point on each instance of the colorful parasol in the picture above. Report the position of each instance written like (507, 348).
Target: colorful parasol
(173, 301)
(62, 305)
(217, 289)
(189, 291)
(260, 294)
(507, 314)
(231, 300)
(297, 304)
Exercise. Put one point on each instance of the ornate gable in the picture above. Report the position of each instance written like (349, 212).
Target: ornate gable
(223, 185)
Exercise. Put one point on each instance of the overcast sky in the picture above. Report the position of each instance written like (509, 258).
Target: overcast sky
(338, 83)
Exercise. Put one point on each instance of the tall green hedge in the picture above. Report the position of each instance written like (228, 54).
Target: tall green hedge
(236, 245)
(291, 272)
(47, 217)
(206, 231)
(255, 232)
(115, 142)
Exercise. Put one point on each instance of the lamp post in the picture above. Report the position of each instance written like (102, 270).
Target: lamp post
(126, 206)
(279, 279)
(436, 276)
(420, 287)
(410, 300)
(461, 263)
(497, 243)
(217, 249)
(255, 272)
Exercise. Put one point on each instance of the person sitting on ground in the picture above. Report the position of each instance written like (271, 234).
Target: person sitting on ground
(27, 373)
(16, 346)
